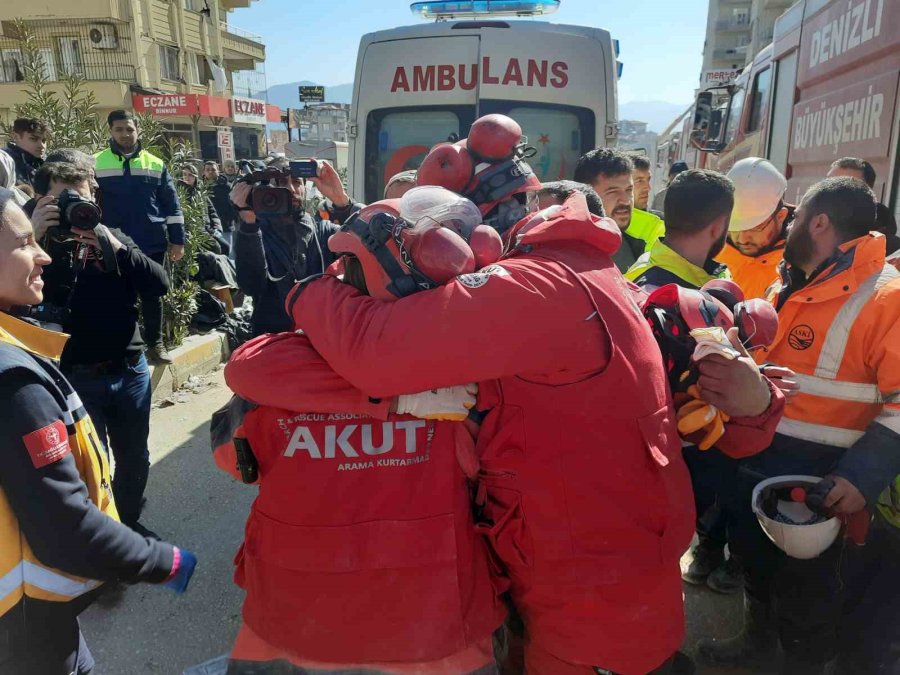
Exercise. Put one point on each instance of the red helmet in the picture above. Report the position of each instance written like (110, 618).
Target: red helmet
(757, 322)
(448, 209)
(725, 291)
(397, 258)
(673, 312)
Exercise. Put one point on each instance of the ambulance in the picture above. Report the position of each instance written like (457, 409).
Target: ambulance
(827, 87)
(420, 85)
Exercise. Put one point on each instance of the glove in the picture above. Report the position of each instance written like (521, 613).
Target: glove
(186, 564)
(698, 415)
(448, 403)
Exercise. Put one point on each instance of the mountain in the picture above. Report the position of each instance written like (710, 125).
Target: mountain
(657, 114)
(286, 96)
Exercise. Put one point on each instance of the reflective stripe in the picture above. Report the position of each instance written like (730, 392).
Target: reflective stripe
(50, 581)
(893, 397)
(155, 173)
(832, 355)
(891, 421)
(175, 220)
(108, 173)
(818, 433)
(10, 581)
(844, 391)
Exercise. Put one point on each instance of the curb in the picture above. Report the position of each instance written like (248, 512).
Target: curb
(198, 355)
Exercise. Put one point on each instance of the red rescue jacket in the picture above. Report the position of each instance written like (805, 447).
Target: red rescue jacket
(586, 497)
(361, 545)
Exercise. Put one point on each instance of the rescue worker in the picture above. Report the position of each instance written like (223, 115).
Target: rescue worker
(363, 520)
(759, 222)
(138, 196)
(659, 199)
(697, 211)
(60, 538)
(854, 167)
(558, 191)
(27, 147)
(643, 176)
(399, 184)
(580, 414)
(839, 315)
(609, 172)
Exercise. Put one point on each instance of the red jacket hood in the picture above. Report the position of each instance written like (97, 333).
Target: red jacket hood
(572, 221)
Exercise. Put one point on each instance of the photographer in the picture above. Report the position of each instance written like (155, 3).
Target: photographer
(277, 243)
(92, 289)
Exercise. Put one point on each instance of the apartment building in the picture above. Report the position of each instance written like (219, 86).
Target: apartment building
(180, 60)
(324, 122)
(736, 30)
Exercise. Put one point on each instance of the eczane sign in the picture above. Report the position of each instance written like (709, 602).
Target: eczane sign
(248, 110)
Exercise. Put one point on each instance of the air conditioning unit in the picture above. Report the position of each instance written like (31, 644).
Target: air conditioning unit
(103, 36)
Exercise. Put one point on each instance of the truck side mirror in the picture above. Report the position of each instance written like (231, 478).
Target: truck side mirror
(702, 114)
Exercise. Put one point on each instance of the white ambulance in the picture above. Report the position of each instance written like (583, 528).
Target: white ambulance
(420, 85)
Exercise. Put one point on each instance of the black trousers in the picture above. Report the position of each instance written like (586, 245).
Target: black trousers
(808, 597)
(712, 477)
(152, 309)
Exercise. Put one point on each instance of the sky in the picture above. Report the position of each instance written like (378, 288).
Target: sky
(661, 41)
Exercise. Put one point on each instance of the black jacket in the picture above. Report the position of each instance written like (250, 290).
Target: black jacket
(219, 192)
(271, 257)
(26, 164)
(103, 316)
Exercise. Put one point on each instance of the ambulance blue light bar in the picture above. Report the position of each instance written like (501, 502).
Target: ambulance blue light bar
(468, 9)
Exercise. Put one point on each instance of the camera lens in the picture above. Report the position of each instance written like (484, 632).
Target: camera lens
(83, 216)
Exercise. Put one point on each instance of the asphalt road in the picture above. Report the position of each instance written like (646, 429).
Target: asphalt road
(147, 629)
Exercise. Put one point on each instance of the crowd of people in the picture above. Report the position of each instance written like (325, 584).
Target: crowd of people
(485, 415)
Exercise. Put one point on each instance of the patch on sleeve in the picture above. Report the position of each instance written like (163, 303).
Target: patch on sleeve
(48, 444)
(480, 278)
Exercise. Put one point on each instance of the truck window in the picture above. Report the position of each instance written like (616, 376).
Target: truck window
(560, 134)
(399, 139)
(759, 99)
(734, 115)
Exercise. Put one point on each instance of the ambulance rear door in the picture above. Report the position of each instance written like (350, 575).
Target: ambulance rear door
(558, 82)
(411, 92)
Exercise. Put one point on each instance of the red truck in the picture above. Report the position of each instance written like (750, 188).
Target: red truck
(827, 87)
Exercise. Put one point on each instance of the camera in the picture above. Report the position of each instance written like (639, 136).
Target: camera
(304, 168)
(77, 212)
(268, 200)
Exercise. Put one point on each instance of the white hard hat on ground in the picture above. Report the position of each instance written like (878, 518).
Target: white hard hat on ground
(758, 189)
(790, 523)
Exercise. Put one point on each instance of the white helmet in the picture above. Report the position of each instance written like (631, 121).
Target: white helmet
(788, 521)
(758, 189)
(440, 204)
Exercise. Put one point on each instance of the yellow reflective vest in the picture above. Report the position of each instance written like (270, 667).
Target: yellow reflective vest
(21, 573)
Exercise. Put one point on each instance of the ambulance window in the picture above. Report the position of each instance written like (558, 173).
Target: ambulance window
(399, 140)
(760, 99)
(559, 134)
(734, 115)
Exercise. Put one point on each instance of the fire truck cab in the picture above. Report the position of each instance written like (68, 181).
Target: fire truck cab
(826, 88)
(425, 84)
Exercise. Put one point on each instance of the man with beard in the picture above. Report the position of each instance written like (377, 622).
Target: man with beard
(855, 167)
(609, 172)
(839, 311)
(697, 209)
(758, 225)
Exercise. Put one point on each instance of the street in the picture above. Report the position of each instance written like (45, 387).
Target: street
(147, 629)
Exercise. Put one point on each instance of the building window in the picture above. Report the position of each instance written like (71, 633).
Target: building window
(70, 56)
(193, 70)
(168, 63)
(192, 5)
(12, 67)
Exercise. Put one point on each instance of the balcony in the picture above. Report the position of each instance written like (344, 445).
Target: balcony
(735, 54)
(102, 9)
(241, 49)
(733, 25)
(97, 49)
(235, 4)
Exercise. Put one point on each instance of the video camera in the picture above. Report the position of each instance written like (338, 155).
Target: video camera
(77, 212)
(270, 200)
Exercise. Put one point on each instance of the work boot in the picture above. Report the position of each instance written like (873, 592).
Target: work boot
(159, 354)
(144, 531)
(755, 647)
(706, 557)
(727, 578)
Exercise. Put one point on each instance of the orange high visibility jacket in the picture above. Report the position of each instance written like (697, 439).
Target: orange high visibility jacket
(841, 334)
(753, 275)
